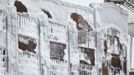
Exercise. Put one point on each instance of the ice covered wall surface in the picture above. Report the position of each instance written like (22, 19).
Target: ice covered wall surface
(112, 13)
(83, 2)
(64, 17)
(111, 38)
(48, 37)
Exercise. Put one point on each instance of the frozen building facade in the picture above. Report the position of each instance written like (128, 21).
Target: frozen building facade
(48, 37)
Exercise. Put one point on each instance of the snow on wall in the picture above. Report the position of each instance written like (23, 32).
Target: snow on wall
(112, 43)
(110, 17)
(3, 49)
(44, 40)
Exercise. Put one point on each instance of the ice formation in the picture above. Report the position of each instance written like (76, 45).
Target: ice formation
(48, 37)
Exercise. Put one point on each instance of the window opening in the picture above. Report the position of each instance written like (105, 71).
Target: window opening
(20, 7)
(57, 51)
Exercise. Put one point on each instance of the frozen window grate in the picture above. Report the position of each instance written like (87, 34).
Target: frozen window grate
(87, 56)
(57, 51)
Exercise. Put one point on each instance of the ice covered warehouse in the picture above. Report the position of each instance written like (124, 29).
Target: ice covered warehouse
(51, 37)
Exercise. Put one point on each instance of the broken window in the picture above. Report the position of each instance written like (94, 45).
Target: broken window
(57, 51)
(27, 44)
(87, 61)
(116, 65)
(115, 61)
(84, 34)
(82, 24)
(47, 13)
(87, 56)
(20, 7)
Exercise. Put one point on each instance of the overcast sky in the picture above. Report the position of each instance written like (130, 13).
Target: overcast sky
(83, 2)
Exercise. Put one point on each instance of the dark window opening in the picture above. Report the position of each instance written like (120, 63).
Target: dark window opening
(82, 24)
(26, 43)
(105, 47)
(20, 7)
(75, 17)
(57, 51)
(47, 13)
(88, 55)
(115, 61)
(4, 52)
(125, 66)
(83, 28)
